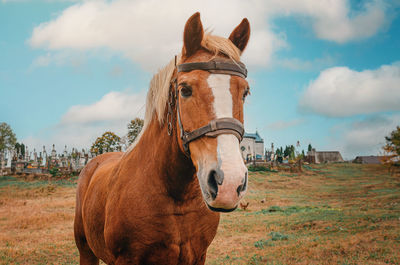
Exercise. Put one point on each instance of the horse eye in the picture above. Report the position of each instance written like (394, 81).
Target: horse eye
(245, 93)
(186, 91)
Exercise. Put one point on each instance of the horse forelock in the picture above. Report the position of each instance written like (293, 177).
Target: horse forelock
(157, 95)
(219, 45)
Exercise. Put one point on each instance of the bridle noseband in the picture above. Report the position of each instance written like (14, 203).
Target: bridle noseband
(214, 127)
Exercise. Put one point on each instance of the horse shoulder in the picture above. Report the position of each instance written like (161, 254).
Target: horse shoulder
(94, 185)
(96, 176)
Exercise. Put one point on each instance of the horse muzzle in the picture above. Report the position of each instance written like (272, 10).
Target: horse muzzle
(224, 189)
(222, 175)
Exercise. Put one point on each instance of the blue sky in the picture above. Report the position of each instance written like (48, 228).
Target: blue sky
(321, 72)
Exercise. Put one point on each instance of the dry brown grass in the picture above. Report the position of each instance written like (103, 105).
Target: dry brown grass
(329, 214)
(36, 225)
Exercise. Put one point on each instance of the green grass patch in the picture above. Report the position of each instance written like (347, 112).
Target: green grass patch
(20, 183)
(256, 168)
(275, 236)
(289, 210)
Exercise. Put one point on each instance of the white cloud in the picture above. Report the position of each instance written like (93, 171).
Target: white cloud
(364, 137)
(282, 125)
(334, 20)
(112, 106)
(82, 124)
(73, 135)
(150, 32)
(335, 25)
(48, 1)
(340, 91)
(143, 35)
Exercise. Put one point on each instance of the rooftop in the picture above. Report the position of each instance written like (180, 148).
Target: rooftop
(369, 159)
(255, 136)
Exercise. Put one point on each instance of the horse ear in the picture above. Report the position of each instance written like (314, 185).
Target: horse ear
(241, 34)
(193, 35)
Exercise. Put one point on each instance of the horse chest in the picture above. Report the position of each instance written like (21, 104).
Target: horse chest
(185, 242)
(172, 239)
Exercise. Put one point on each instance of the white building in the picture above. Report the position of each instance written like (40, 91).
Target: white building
(252, 146)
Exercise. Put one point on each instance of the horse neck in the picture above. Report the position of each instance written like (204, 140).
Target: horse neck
(166, 164)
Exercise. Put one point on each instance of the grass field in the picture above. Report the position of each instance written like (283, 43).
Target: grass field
(329, 214)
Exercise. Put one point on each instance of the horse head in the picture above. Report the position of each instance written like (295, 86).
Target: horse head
(210, 93)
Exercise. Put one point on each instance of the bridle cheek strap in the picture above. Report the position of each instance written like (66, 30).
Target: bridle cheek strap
(218, 126)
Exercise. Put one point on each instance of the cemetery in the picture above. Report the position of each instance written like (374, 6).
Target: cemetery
(24, 162)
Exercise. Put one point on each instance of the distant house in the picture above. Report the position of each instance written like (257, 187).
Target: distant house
(368, 159)
(317, 157)
(252, 146)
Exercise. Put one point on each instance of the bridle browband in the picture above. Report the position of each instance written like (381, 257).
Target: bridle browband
(219, 66)
(214, 127)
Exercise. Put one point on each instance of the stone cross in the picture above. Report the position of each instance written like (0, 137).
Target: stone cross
(54, 153)
(44, 160)
(34, 155)
(10, 156)
(27, 156)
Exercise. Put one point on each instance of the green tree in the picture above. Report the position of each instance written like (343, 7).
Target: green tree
(7, 137)
(292, 152)
(289, 152)
(134, 128)
(286, 152)
(309, 148)
(279, 152)
(21, 148)
(17, 146)
(108, 142)
(392, 147)
(393, 140)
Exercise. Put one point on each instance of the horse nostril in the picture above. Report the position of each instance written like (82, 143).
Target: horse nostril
(245, 181)
(212, 183)
(243, 186)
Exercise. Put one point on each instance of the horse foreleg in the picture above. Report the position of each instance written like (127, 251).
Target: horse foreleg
(202, 260)
(86, 255)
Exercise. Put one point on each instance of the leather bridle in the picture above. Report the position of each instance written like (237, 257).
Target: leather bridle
(214, 127)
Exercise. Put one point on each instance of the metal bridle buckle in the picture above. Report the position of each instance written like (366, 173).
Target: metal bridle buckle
(169, 125)
(169, 114)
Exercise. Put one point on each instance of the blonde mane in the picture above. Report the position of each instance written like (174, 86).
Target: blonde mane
(158, 93)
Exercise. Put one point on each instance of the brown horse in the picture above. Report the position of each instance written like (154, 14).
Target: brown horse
(159, 202)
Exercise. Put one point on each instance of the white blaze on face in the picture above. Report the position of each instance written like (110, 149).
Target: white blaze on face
(229, 158)
(220, 85)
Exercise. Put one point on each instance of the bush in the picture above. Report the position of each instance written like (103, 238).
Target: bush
(53, 171)
(276, 236)
(275, 208)
(253, 168)
(260, 244)
(257, 168)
